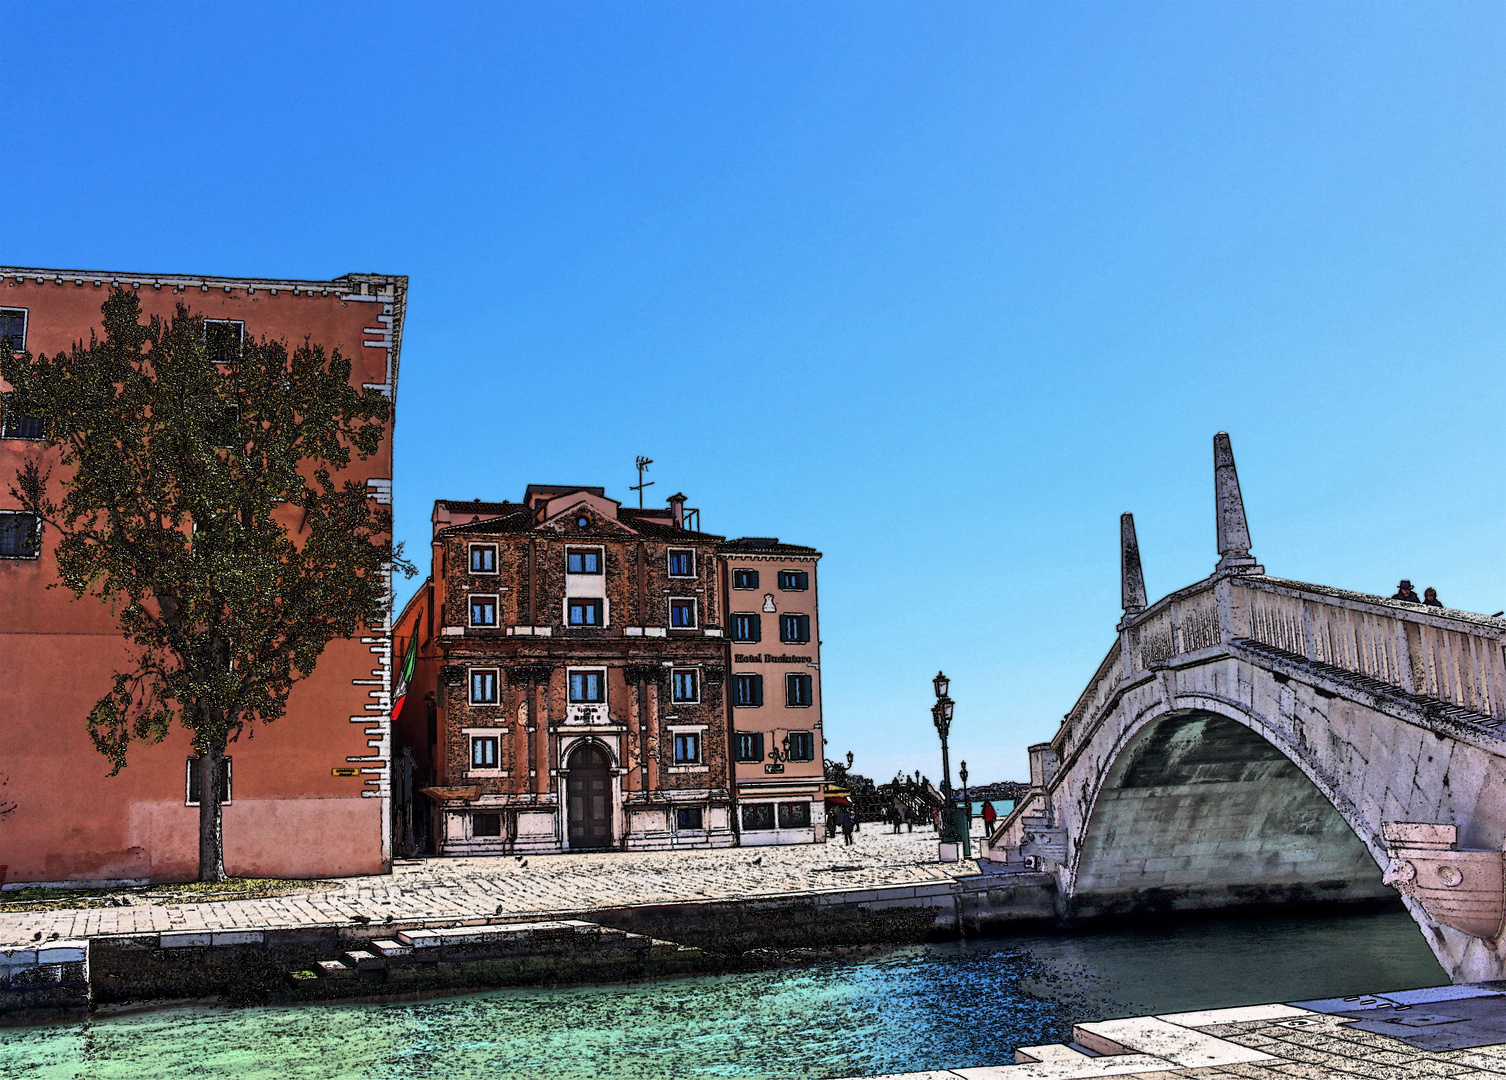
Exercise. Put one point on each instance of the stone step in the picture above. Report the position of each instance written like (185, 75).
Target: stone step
(500, 934)
(332, 969)
(362, 960)
(391, 949)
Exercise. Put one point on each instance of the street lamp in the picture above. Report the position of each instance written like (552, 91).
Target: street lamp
(941, 716)
(967, 804)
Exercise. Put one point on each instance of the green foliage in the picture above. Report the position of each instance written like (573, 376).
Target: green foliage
(203, 501)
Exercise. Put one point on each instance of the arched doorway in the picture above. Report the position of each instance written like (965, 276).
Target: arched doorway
(588, 797)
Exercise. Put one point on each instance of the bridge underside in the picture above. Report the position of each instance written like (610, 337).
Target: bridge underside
(1200, 812)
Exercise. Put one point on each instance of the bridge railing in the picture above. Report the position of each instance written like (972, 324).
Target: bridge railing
(1453, 656)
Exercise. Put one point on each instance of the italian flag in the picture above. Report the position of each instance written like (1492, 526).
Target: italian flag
(405, 676)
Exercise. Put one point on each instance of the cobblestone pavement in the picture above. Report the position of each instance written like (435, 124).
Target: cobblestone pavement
(477, 887)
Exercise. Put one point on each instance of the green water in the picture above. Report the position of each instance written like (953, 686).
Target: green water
(913, 1008)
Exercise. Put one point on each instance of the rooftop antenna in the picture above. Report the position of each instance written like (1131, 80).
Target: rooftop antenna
(643, 464)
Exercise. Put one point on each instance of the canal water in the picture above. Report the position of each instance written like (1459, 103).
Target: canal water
(917, 1007)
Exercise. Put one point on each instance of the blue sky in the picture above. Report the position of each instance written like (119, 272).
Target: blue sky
(938, 288)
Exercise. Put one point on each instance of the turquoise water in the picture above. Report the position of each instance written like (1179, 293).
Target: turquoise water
(947, 1005)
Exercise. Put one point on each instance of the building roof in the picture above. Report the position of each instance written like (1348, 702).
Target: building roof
(561, 489)
(476, 506)
(766, 545)
(516, 518)
(345, 286)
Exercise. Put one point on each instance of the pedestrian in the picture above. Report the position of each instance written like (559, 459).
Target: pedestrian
(1404, 592)
(909, 820)
(894, 818)
(1430, 597)
(831, 823)
(848, 821)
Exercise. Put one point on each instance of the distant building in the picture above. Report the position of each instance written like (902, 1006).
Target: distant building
(775, 695)
(308, 795)
(575, 690)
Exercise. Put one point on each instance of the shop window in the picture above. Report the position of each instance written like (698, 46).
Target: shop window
(688, 818)
(794, 815)
(486, 824)
(757, 817)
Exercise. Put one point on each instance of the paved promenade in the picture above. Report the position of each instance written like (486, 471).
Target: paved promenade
(539, 885)
(1447, 1031)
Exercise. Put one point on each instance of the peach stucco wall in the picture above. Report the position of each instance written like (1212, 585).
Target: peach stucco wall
(290, 816)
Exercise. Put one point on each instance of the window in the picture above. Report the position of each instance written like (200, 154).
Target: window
(484, 752)
(585, 611)
(688, 817)
(802, 746)
(222, 339)
(483, 558)
(483, 687)
(587, 687)
(745, 579)
(794, 815)
(682, 614)
(757, 816)
(483, 611)
(797, 689)
(14, 425)
(687, 686)
(194, 788)
(747, 690)
(688, 748)
(582, 560)
(13, 328)
(746, 626)
(749, 746)
(681, 562)
(20, 535)
(486, 824)
(793, 580)
(224, 431)
(795, 629)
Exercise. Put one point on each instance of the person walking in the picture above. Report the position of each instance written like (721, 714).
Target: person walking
(1404, 592)
(848, 821)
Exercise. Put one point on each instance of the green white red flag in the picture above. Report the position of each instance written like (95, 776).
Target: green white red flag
(405, 675)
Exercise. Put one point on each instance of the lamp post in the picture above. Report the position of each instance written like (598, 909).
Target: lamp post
(941, 716)
(967, 803)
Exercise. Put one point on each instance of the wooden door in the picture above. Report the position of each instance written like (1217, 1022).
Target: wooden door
(588, 799)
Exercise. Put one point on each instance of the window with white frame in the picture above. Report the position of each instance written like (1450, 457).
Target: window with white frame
(588, 687)
(484, 750)
(687, 685)
(193, 788)
(483, 609)
(15, 424)
(483, 558)
(483, 686)
(20, 535)
(222, 339)
(585, 611)
(681, 562)
(682, 613)
(13, 328)
(688, 748)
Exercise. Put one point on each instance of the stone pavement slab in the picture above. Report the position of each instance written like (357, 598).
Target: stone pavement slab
(470, 888)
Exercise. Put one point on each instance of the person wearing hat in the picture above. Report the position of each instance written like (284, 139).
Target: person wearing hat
(1404, 592)
(1430, 597)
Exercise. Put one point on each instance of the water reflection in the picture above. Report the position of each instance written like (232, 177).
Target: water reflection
(949, 1005)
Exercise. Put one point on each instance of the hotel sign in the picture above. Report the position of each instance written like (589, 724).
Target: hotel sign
(769, 658)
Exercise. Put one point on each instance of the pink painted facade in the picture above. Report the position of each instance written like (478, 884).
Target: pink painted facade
(310, 794)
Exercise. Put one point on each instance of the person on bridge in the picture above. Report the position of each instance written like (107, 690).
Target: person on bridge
(1404, 592)
(1430, 597)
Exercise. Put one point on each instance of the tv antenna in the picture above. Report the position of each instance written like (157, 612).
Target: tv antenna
(643, 464)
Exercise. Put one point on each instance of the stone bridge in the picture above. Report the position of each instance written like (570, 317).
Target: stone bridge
(1252, 740)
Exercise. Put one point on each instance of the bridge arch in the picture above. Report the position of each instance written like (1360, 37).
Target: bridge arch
(1206, 808)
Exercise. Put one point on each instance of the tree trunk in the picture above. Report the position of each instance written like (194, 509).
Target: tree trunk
(211, 824)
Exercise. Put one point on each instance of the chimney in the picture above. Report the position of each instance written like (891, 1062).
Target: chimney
(677, 509)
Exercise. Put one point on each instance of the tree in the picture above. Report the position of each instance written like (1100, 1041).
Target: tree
(201, 497)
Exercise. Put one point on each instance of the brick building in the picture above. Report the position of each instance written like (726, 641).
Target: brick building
(308, 795)
(572, 689)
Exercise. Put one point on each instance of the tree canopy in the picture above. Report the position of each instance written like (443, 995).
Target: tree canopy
(200, 494)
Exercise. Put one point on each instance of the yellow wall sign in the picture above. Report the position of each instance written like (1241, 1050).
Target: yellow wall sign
(345, 772)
